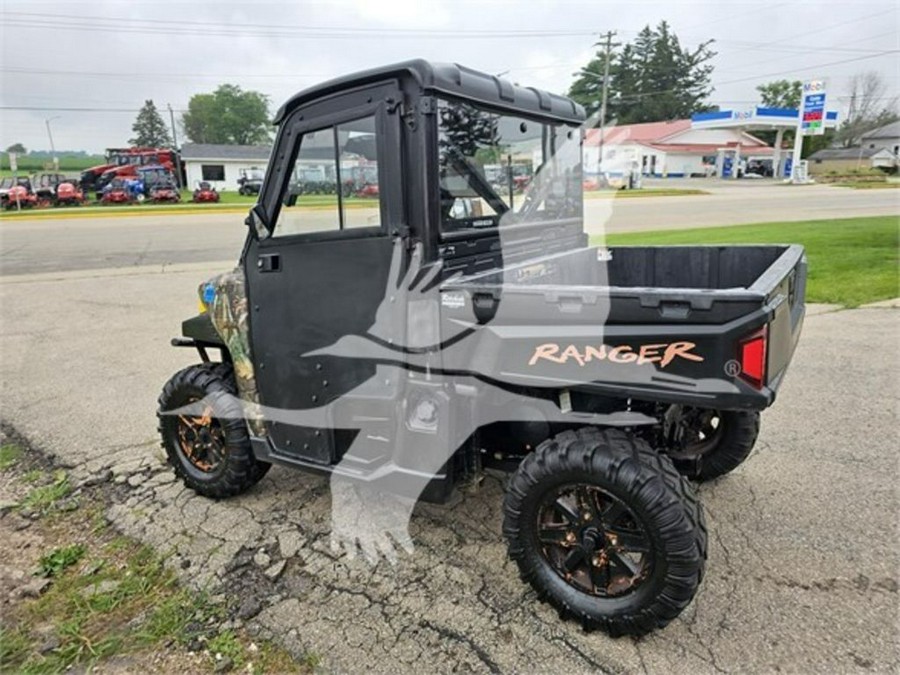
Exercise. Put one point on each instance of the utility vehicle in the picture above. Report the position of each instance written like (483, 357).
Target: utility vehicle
(451, 316)
(250, 181)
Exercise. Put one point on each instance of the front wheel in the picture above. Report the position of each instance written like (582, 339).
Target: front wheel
(606, 530)
(204, 434)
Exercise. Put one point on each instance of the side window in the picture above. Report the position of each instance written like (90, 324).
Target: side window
(333, 184)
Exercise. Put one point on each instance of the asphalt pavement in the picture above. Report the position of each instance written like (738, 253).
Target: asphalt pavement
(804, 545)
(36, 245)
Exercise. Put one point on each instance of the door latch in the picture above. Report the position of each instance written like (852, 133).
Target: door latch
(269, 262)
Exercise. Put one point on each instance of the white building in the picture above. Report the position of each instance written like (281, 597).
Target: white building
(221, 165)
(670, 149)
(886, 142)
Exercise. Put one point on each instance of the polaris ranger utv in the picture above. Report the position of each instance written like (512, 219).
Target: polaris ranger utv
(450, 326)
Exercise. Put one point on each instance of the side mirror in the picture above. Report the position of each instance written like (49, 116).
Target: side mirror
(257, 223)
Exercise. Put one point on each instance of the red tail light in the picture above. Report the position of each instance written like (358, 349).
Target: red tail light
(752, 353)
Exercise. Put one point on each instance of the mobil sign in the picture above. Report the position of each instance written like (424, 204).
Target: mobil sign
(812, 110)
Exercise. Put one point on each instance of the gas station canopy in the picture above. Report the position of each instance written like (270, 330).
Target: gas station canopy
(757, 118)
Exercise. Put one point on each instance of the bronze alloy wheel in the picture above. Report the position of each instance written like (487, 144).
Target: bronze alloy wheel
(594, 541)
(202, 440)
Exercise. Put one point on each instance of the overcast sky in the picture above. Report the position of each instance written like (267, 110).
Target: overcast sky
(115, 54)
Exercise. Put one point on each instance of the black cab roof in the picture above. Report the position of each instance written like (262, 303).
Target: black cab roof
(451, 79)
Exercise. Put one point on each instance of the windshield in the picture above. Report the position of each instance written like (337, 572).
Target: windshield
(499, 169)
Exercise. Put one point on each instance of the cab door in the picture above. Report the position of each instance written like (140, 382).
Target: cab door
(332, 200)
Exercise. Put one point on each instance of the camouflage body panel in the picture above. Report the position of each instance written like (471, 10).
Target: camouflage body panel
(225, 297)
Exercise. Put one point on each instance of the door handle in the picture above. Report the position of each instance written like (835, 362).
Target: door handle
(269, 262)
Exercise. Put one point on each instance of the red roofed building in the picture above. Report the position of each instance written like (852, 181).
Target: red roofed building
(670, 149)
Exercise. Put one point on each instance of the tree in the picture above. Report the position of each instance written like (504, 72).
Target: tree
(473, 132)
(781, 94)
(150, 130)
(17, 148)
(228, 116)
(869, 108)
(653, 78)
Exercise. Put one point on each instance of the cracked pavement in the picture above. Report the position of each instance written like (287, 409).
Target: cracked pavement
(803, 568)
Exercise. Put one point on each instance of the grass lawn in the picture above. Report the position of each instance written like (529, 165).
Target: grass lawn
(97, 596)
(643, 192)
(67, 165)
(870, 185)
(230, 202)
(852, 261)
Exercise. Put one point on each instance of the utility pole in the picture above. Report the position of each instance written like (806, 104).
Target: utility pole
(52, 148)
(605, 95)
(175, 146)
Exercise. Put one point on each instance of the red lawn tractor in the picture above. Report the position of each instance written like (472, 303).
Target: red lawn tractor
(205, 193)
(20, 196)
(67, 194)
(165, 192)
(117, 192)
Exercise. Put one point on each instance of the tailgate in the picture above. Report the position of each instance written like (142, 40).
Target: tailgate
(784, 284)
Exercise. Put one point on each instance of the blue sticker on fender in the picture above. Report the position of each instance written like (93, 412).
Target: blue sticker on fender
(209, 293)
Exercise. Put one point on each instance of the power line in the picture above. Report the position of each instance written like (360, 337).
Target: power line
(35, 108)
(732, 17)
(796, 48)
(162, 76)
(830, 49)
(824, 28)
(820, 65)
(453, 32)
(319, 33)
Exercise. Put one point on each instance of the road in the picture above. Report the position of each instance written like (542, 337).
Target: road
(804, 547)
(32, 245)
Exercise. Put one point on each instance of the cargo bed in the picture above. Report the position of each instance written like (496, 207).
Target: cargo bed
(710, 296)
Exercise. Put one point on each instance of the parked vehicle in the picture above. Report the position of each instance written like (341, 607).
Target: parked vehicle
(120, 191)
(165, 191)
(250, 181)
(45, 186)
(362, 182)
(205, 193)
(759, 168)
(599, 378)
(125, 163)
(154, 174)
(21, 196)
(68, 194)
(6, 184)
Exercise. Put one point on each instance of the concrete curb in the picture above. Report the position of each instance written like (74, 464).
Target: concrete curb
(883, 304)
(137, 270)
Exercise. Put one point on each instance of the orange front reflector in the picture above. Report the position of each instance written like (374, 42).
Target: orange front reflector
(753, 358)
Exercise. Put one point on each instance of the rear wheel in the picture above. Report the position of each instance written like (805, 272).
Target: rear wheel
(714, 442)
(606, 530)
(204, 434)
